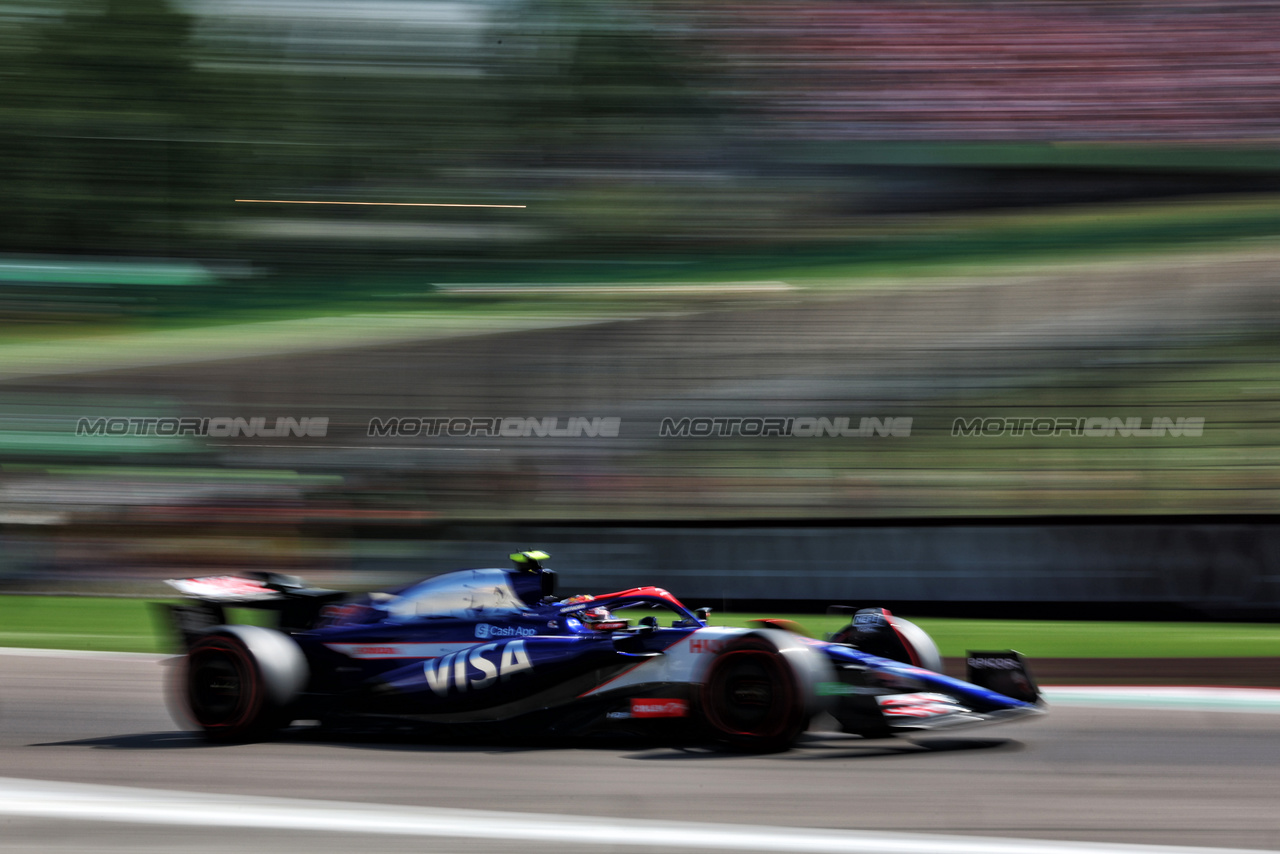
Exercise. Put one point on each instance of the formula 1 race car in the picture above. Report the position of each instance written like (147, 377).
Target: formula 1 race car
(494, 650)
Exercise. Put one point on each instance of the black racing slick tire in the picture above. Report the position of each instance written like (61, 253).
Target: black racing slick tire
(920, 648)
(753, 699)
(241, 682)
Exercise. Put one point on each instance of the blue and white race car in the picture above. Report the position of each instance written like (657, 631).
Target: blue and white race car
(495, 651)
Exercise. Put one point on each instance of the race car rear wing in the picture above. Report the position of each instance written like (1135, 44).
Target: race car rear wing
(296, 606)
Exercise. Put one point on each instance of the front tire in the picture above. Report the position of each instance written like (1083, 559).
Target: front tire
(921, 650)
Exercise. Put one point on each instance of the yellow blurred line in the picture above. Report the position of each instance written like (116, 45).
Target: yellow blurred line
(382, 204)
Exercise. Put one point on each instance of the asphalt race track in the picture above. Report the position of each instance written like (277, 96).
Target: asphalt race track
(1081, 774)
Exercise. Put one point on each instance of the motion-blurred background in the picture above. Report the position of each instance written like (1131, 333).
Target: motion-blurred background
(710, 220)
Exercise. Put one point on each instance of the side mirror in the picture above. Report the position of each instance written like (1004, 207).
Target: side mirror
(703, 614)
(648, 625)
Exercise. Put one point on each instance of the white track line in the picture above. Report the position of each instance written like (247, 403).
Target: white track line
(99, 655)
(78, 801)
(1167, 698)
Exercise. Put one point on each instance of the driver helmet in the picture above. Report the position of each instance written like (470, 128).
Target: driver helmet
(589, 615)
(595, 615)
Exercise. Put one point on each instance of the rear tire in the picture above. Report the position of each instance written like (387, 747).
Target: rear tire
(241, 681)
(752, 699)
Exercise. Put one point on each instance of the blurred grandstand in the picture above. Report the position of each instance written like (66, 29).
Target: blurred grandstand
(1151, 72)
(776, 210)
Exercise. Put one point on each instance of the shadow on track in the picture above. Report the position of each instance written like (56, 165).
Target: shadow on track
(917, 747)
(811, 746)
(176, 740)
(183, 740)
(828, 746)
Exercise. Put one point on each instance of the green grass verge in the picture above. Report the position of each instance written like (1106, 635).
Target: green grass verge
(75, 622)
(129, 625)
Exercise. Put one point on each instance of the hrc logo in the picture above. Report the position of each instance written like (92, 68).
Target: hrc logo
(707, 645)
